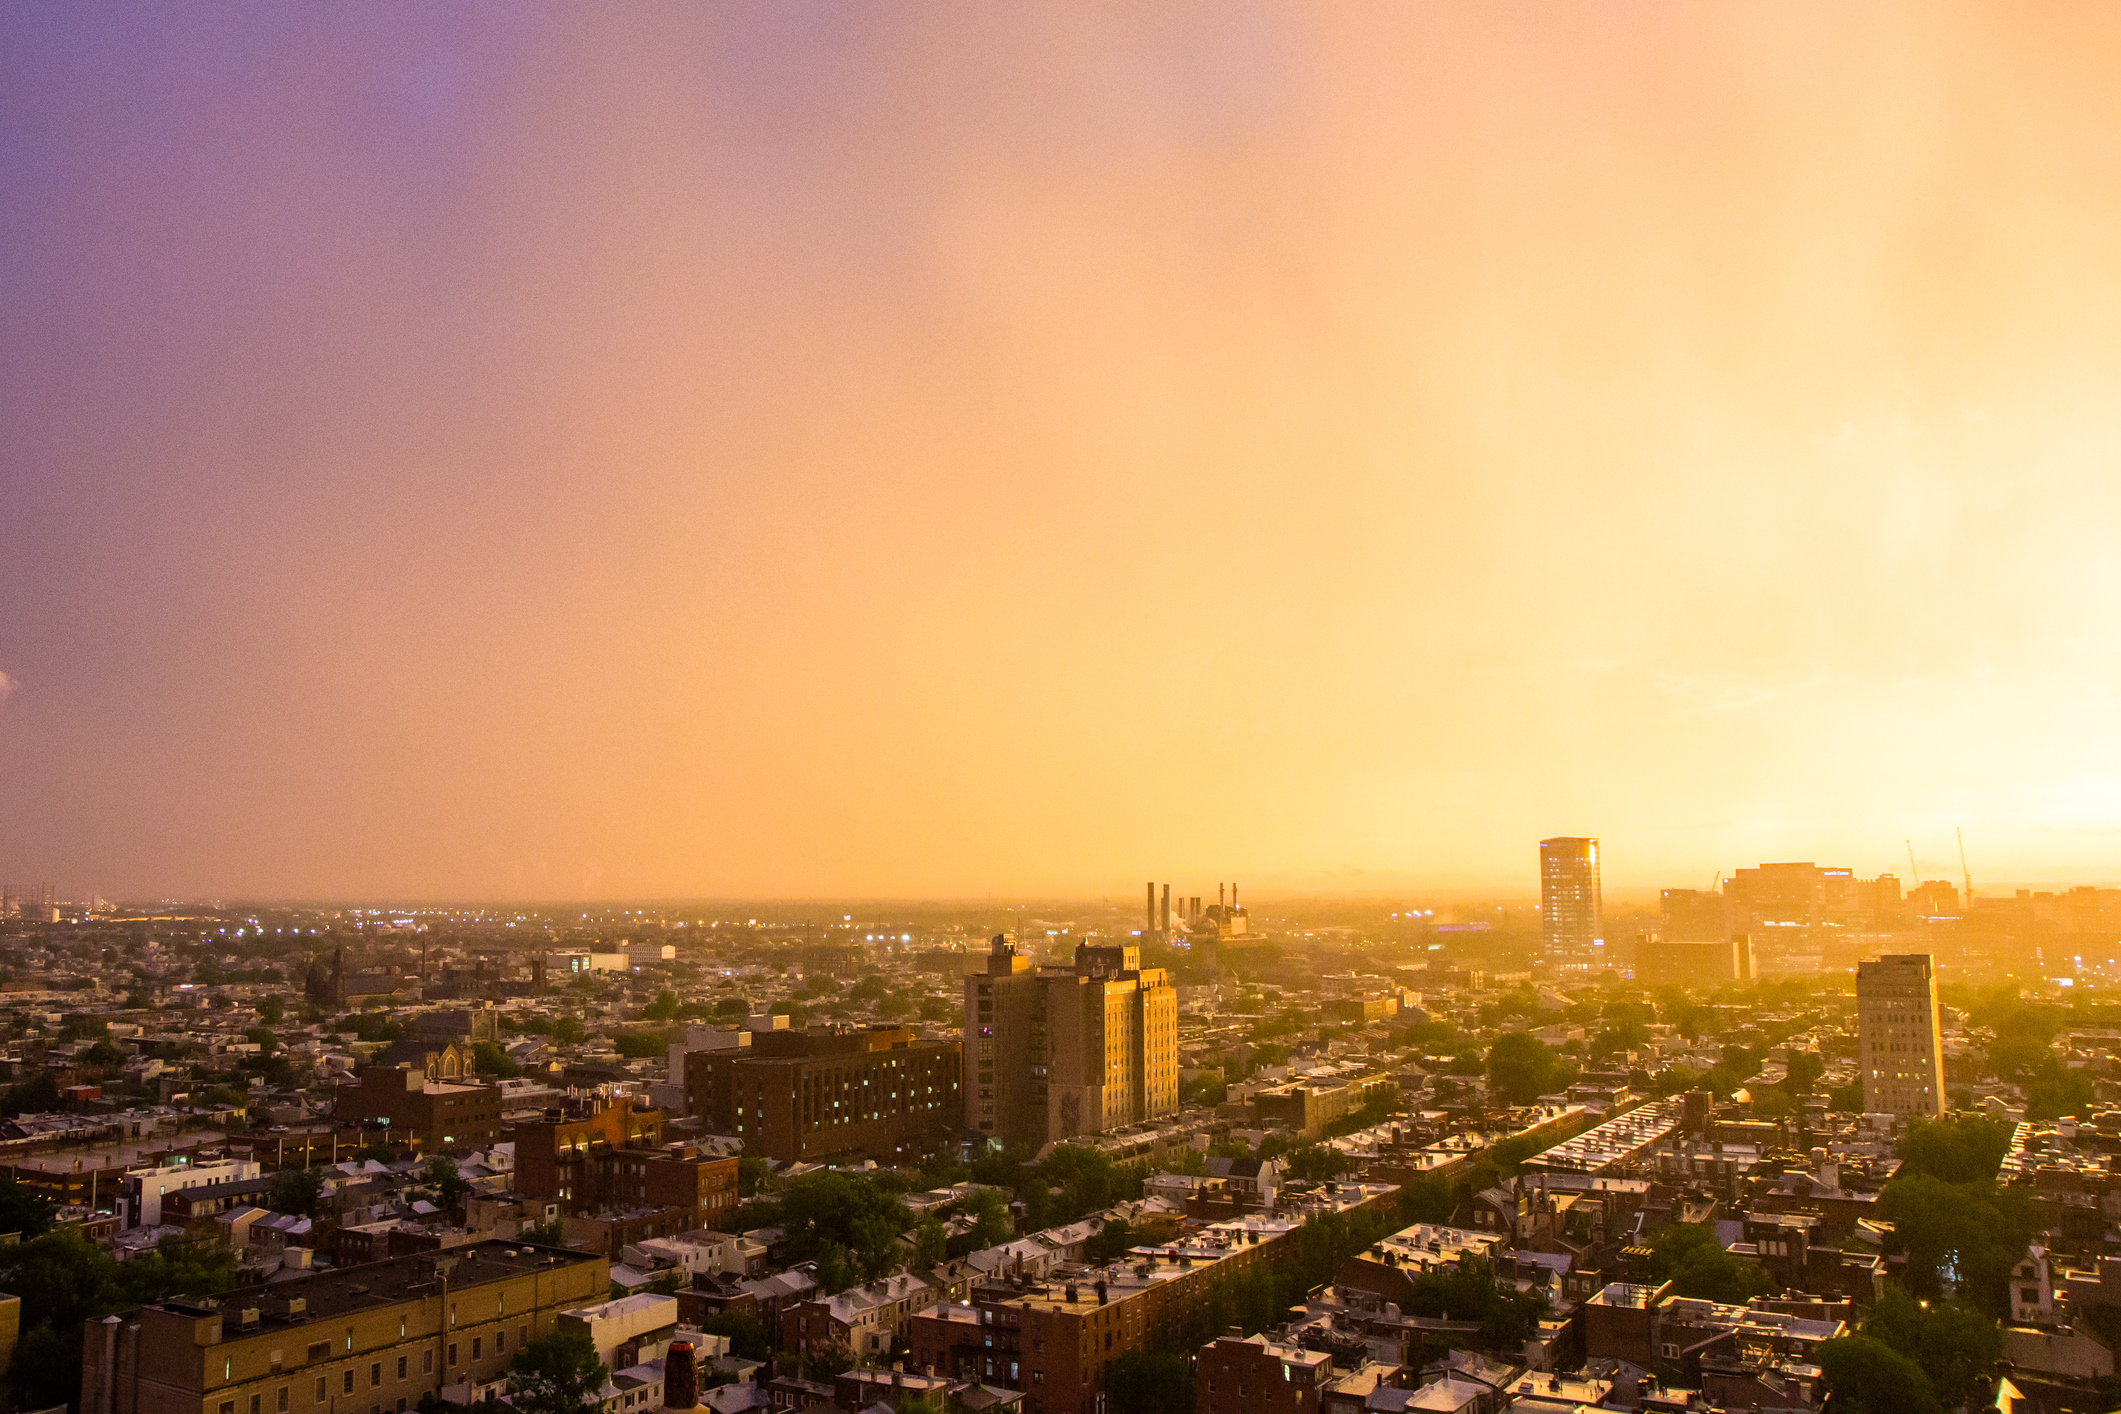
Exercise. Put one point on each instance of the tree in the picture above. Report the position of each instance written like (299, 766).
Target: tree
(732, 1009)
(1969, 1233)
(1699, 1265)
(1867, 1376)
(46, 1369)
(1149, 1382)
(442, 1173)
(747, 1338)
(294, 1191)
(1963, 1149)
(663, 1008)
(1848, 1099)
(489, 1059)
(271, 1010)
(990, 1219)
(557, 1373)
(640, 1045)
(23, 1209)
(552, 1234)
(1954, 1344)
(1521, 1069)
(1110, 1242)
(931, 1243)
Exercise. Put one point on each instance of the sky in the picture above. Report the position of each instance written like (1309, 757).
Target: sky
(816, 449)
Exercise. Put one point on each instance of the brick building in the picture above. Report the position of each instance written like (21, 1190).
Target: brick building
(615, 1180)
(1249, 1374)
(428, 1114)
(389, 1335)
(812, 1096)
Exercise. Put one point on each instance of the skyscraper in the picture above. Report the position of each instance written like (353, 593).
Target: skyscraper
(1571, 907)
(1900, 1043)
(1054, 1052)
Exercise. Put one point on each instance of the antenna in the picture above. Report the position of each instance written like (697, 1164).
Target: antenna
(1914, 870)
(1963, 874)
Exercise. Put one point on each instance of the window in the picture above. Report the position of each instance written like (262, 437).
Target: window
(401, 1367)
(500, 1341)
(257, 1404)
(522, 1335)
(452, 1355)
(228, 1406)
(348, 1380)
(281, 1402)
(427, 1362)
(320, 1351)
(320, 1389)
(475, 1343)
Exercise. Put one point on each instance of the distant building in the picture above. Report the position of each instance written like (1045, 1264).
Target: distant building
(1571, 902)
(1688, 963)
(814, 1096)
(1900, 1040)
(1249, 1374)
(1694, 916)
(37, 902)
(613, 1170)
(1051, 1053)
(427, 1114)
(145, 1188)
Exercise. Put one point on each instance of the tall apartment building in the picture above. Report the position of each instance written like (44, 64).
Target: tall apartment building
(1051, 1053)
(36, 902)
(813, 1096)
(1571, 903)
(1900, 1040)
(402, 1333)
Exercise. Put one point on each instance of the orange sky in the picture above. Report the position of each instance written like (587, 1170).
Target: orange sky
(953, 450)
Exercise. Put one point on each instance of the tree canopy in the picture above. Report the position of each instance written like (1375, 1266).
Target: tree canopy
(557, 1373)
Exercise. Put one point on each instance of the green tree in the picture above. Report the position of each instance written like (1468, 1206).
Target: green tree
(1521, 1068)
(990, 1219)
(931, 1243)
(1955, 1345)
(1962, 1149)
(663, 1008)
(1699, 1265)
(23, 1209)
(449, 1185)
(552, 1234)
(271, 1010)
(641, 1045)
(1972, 1233)
(747, 1337)
(1149, 1382)
(1867, 1376)
(751, 1171)
(1110, 1242)
(1848, 1099)
(732, 1009)
(557, 1373)
(294, 1191)
(489, 1059)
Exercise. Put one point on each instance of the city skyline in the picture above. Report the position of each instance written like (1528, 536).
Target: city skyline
(496, 454)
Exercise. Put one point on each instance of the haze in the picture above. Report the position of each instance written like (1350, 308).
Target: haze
(805, 449)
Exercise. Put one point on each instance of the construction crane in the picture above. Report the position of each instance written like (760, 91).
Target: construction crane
(1914, 870)
(1968, 905)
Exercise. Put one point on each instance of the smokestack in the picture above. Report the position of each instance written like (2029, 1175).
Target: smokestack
(1151, 924)
(1220, 906)
(681, 1377)
(1167, 911)
(1233, 895)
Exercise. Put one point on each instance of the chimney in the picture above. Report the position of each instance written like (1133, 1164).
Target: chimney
(1167, 911)
(1233, 895)
(1220, 906)
(1151, 924)
(681, 1377)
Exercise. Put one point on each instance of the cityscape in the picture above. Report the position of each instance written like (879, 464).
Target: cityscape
(1153, 709)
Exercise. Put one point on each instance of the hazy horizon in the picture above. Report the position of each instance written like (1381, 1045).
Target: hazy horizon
(514, 451)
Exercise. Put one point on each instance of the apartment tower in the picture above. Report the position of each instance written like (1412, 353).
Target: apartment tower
(1571, 908)
(1054, 1052)
(1898, 1035)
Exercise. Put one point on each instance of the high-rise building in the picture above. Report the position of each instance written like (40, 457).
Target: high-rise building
(1571, 907)
(1900, 1042)
(37, 902)
(1054, 1052)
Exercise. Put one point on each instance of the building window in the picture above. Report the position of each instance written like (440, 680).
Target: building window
(375, 1374)
(281, 1402)
(427, 1362)
(401, 1367)
(452, 1355)
(475, 1343)
(347, 1381)
(320, 1389)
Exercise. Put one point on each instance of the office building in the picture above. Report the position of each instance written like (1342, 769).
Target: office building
(1687, 962)
(1693, 916)
(1900, 1040)
(402, 1333)
(39, 903)
(824, 1096)
(1571, 905)
(409, 1108)
(1053, 1052)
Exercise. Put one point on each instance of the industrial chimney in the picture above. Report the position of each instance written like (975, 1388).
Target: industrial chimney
(1166, 929)
(1150, 925)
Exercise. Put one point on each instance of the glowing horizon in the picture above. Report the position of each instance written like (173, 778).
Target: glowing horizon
(865, 452)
